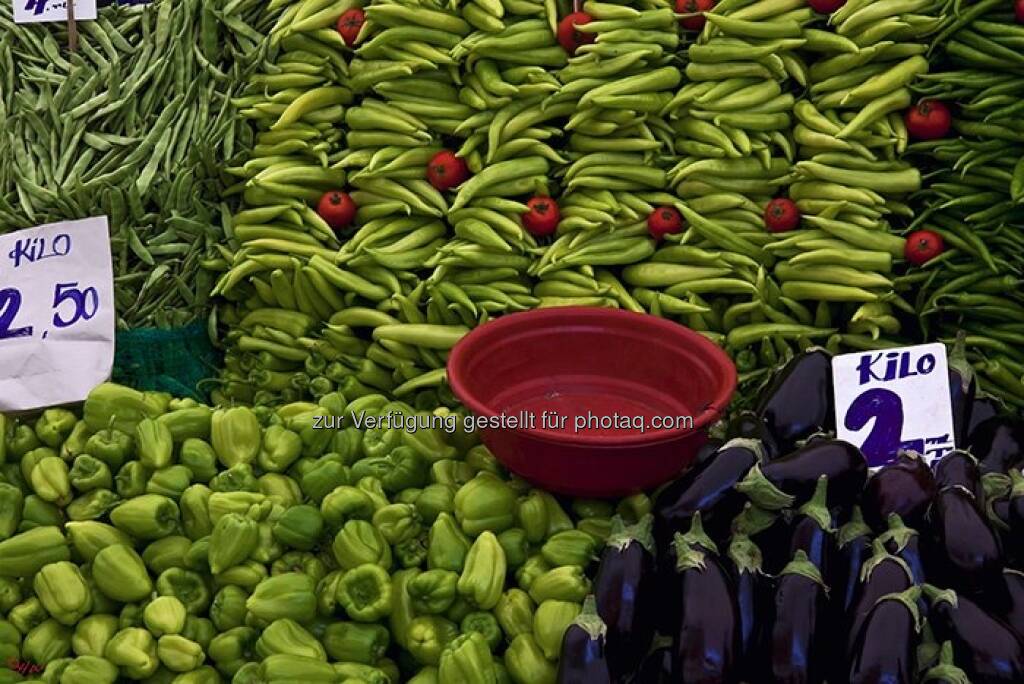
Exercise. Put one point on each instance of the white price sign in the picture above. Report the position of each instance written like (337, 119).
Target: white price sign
(35, 11)
(894, 399)
(56, 313)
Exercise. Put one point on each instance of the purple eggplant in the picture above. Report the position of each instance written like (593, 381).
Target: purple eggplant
(753, 600)
(800, 632)
(812, 531)
(771, 533)
(905, 543)
(1012, 609)
(656, 668)
(710, 489)
(583, 658)
(986, 648)
(905, 486)
(749, 425)
(963, 386)
(945, 671)
(707, 450)
(625, 592)
(982, 408)
(886, 647)
(998, 443)
(965, 553)
(790, 481)
(799, 400)
(706, 641)
(882, 574)
(959, 467)
(854, 542)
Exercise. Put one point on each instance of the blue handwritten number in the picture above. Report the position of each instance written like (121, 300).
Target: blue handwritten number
(87, 303)
(37, 5)
(886, 408)
(10, 302)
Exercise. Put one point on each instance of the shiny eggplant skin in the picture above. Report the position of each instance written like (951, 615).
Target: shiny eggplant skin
(854, 542)
(799, 401)
(905, 487)
(625, 591)
(707, 450)
(750, 425)
(709, 488)
(885, 574)
(886, 648)
(988, 649)
(964, 552)
(1012, 609)
(998, 444)
(706, 641)
(982, 409)
(753, 601)
(656, 668)
(796, 474)
(582, 660)
(960, 468)
(812, 531)
(799, 639)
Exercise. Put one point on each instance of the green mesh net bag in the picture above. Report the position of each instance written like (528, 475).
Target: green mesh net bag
(177, 360)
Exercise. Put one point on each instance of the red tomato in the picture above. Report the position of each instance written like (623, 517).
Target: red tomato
(825, 6)
(928, 120)
(447, 171)
(781, 215)
(350, 23)
(543, 217)
(695, 23)
(663, 221)
(1018, 10)
(568, 37)
(923, 246)
(337, 209)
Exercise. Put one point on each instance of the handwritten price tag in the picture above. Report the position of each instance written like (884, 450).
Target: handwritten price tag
(56, 313)
(894, 399)
(35, 11)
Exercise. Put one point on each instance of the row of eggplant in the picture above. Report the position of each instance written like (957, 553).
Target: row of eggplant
(778, 558)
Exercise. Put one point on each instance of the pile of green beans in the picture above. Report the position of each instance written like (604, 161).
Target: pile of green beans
(972, 197)
(135, 125)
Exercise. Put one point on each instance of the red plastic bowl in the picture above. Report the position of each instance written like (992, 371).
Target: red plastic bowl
(589, 365)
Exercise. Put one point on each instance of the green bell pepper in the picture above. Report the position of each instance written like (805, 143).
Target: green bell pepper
(428, 636)
(526, 662)
(154, 444)
(179, 654)
(268, 549)
(199, 457)
(130, 616)
(249, 504)
(166, 553)
(451, 472)
(50, 480)
(228, 608)
(532, 516)
(402, 611)
(359, 672)
(558, 519)
(549, 624)
(10, 594)
(281, 447)
(171, 481)
(38, 513)
(88, 537)
(10, 642)
(467, 659)
(348, 444)
(28, 614)
(355, 642)
(110, 446)
(327, 593)
(447, 546)
(400, 469)
(375, 490)
(89, 669)
(323, 478)
(12, 502)
(571, 547)
(238, 478)
(197, 556)
(428, 443)
(232, 649)
(235, 435)
(300, 561)
(164, 615)
(201, 675)
(483, 577)
(188, 587)
(358, 543)
(592, 508)
(380, 441)
(199, 630)
(134, 651)
(188, 422)
(365, 593)
(63, 591)
(514, 613)
(281, 489)
(346, 503)
(46, 642)
(54, 426)
(246, 575)
(481, 459)
(290, 638)
(528, 572)
(433, 591)
(24, 554)
(74, 445)
(412, 553)
(599, 529)
(131, 479)
(426, 675)
(565, 583)
(299, 527)
(485, 504)
(92, 635)
(149, 516)
(88, 473)
(515, 545)
(434, 500)
(233, 540)
(484, 624)
(195, 512)
(397, 522)
(93, 505)
(290, 595)
(633, 508)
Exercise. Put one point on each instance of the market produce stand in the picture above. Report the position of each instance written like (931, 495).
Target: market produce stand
(354, 202)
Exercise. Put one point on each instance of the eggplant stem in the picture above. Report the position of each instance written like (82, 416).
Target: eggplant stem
(817, 507)
(590, 621)
(745, 554)
(752, 445)
(936, 595)
(947, 670)
(762, 492)
(908, 598)
(854, 529)
(898, 532)
(878, 557)
(801, 565)
(641, 533)
(752, 520)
